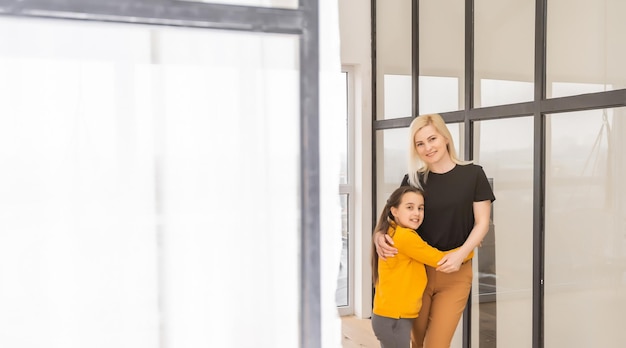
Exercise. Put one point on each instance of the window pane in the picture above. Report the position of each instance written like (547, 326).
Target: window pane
(585, 46)
(457, 130)
(397, 96)
(342, 294)
(77, 189)
(442, 47)
(343, 133)
(393, 58)
(438, 94)
(212, 146)
(391, 156)
(504, 52)
(126, 150)
(502, 291)
(585, 248)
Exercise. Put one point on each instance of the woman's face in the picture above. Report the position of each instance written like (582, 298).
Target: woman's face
(410, 212)
(431, 146)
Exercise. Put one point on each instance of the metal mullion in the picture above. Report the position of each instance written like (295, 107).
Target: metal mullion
(600, 100)
(161, 12)
(469, 136)
(391, 123)
(310, 266)
(539, 164)
(415, 53)
(374, 107)
(501, 111)
(454, 116)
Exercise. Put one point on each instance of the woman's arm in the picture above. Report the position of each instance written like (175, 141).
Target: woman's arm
(452, 261)
(384, 245)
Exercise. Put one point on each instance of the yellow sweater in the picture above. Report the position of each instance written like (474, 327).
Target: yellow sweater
(402, 278)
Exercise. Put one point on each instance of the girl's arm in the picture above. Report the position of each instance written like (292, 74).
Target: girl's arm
(411, 244)
(452, 261)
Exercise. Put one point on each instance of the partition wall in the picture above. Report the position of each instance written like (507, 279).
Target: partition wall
(535, 92)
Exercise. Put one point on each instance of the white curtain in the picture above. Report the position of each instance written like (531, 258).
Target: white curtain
(149, 186)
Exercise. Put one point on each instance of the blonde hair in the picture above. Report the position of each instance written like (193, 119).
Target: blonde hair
(416, 165)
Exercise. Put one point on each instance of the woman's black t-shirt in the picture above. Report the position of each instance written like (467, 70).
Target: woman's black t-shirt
(448, 204)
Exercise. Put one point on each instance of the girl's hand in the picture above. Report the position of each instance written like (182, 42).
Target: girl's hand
(384, 248)
(451, 262)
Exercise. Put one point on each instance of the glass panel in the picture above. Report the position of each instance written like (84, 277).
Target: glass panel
(502, 291)
(504, 52)
(391, 166)
(200, 88)
(344, 279)
(77, 189)
(124, 158)
(397, 96)
(393, 59)
(344, 167)
(457, 130)
(438, 94)
(442, 47)
(342, 294)
(585, 46)
(585, 256)
(292, 4)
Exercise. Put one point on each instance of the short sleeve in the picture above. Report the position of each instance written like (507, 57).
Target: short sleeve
(483, 190)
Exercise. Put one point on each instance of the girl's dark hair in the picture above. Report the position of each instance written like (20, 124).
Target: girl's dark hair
(384, 221)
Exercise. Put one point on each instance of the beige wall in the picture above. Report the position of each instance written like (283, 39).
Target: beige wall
(355, 33)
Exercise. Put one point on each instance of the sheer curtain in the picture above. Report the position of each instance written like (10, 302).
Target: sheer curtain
(149, 190)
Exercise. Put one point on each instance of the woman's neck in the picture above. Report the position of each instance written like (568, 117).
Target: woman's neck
(443, 166)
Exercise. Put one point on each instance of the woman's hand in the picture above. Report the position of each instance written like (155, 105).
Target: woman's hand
(384, 248)
(451, 262)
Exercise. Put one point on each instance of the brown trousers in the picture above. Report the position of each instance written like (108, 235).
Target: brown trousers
(443, 303)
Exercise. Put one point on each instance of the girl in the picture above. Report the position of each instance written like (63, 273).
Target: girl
(400, 280)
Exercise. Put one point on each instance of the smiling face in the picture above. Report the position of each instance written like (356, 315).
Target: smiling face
(410, 212)
(431, 147)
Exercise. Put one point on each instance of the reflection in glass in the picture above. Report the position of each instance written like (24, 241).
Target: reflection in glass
(502, 291)
(504, 51)
(585, 256)
(442, 48)
(585, 44)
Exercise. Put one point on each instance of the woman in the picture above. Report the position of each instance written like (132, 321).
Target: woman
(458, 201)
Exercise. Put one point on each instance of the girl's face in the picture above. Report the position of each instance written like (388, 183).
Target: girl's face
(431, 146)
(410, 211)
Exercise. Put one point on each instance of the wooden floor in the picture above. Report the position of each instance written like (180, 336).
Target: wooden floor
(357, 333)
